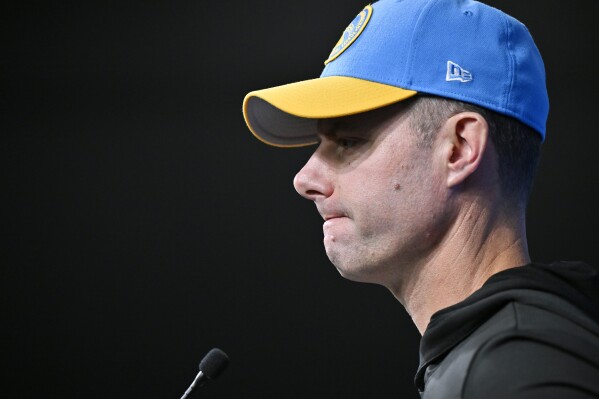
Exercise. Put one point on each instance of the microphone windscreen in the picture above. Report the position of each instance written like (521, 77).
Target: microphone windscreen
(214, 363)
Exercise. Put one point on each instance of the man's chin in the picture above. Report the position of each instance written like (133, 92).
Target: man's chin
(351, 275)
(356, 272)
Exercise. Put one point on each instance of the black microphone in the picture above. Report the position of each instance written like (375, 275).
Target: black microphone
(214, 363)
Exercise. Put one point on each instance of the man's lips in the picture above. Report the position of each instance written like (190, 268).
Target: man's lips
(329, 217)
(329, 212)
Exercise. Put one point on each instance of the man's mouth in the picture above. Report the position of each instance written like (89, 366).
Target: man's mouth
(329, 217)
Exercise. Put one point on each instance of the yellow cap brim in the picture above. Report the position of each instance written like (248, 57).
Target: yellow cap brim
(287, 116)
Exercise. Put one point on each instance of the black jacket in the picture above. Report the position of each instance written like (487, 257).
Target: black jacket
(529, 332)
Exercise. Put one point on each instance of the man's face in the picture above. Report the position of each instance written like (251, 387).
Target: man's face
(381, 194)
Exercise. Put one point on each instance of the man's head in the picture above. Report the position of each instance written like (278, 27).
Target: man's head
(391, 183)
(424, 108)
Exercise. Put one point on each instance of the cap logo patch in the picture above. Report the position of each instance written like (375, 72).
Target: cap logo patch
(456, 72)
(351, 33)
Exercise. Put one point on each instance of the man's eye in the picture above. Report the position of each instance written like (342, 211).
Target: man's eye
(347, 142)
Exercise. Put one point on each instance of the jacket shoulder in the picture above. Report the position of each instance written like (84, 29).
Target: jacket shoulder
(525, 350)
(542, 354)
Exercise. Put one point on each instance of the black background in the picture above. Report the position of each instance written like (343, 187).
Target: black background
(142, 224)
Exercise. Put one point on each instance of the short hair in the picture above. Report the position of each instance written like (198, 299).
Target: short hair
(518, 146)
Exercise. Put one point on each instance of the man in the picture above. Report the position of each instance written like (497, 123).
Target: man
(429, 116)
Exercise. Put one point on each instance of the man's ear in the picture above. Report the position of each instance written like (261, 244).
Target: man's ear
(466, 135)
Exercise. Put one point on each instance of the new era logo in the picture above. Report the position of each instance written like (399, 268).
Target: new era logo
(456, 72)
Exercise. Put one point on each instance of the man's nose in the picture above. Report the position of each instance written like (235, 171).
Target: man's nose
(313, 180)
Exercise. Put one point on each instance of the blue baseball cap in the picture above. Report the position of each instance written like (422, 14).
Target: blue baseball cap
(395, 49)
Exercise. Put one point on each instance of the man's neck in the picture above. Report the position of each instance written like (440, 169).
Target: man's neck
(478, 245)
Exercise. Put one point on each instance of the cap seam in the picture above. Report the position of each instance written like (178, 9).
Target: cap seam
(412, 49)
(511, 61)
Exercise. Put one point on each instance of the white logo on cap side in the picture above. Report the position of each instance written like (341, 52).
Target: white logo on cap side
(457, 73)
